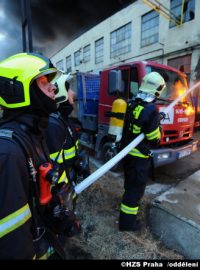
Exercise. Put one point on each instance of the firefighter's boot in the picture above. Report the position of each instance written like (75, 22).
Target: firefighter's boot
(128, 222)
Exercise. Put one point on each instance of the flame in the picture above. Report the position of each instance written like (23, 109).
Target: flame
(179, 89)
(189, 110)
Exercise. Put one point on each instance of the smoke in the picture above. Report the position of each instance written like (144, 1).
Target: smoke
(10, 30)
(54, 23)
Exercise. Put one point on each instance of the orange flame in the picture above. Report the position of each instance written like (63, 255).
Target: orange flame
(189, 110)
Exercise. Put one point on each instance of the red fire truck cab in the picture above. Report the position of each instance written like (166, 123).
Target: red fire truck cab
(177, 127)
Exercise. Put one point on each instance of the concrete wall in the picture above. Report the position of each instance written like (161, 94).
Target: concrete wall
(176, 41)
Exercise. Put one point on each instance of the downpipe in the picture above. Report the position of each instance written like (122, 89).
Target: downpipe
(108, 165)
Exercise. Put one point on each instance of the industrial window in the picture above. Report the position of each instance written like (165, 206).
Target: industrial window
(182, 63)
(99, 50)
(60, 65)
(149, 28)
(184, 7)
(86, 54)
(77, 58)
(68, 64)
(120, 41)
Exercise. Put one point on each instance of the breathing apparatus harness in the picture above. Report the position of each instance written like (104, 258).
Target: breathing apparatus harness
(129, 122)
(81, 164)
(37, 195)
(65, 191)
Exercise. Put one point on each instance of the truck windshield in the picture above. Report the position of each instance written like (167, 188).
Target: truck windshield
(176, 84)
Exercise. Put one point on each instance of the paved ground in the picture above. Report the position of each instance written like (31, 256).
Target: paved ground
(175, 217)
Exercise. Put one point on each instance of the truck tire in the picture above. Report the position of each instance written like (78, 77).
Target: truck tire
(109, 152)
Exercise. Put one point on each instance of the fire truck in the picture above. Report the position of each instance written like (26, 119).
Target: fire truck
(95, 97)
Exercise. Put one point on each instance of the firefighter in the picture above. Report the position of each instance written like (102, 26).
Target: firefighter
(62, 141)
(141, 117)
(27, 97)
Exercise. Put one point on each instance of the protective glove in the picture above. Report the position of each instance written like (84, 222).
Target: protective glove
(82, 164)
(66, 224)
(73, 224)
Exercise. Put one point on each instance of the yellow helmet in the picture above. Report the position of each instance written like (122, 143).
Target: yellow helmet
(151, 87)
(16, 75)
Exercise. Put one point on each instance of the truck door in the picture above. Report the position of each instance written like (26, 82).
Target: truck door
(130, 81)
(125, 83)
(106, 98)
(134, 83)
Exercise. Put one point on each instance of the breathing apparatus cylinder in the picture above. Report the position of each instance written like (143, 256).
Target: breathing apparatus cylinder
(116, 125)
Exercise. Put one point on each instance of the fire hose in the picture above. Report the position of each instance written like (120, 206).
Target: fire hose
(108, 165)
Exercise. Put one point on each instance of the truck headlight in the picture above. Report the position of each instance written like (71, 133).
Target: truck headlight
(194, 147)
(163, 156)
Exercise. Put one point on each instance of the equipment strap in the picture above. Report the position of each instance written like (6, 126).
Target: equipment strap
(9, 134)
(128, 121)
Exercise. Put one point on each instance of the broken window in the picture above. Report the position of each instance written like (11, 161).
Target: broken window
(184, 7)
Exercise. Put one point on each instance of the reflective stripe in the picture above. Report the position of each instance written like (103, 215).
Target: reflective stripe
(137, 153)
(154, 134)
(49, 252)
(129, 210)
(63, 178)
(14, 220)
(70, 153)
(77, 143)
(137, 111)
(53, 157)
(136, 129)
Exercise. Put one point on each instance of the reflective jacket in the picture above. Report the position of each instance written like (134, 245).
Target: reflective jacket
(141, 117)
(17, 231)
(63, 145)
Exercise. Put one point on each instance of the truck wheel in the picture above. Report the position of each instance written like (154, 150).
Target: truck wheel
(108, 153)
